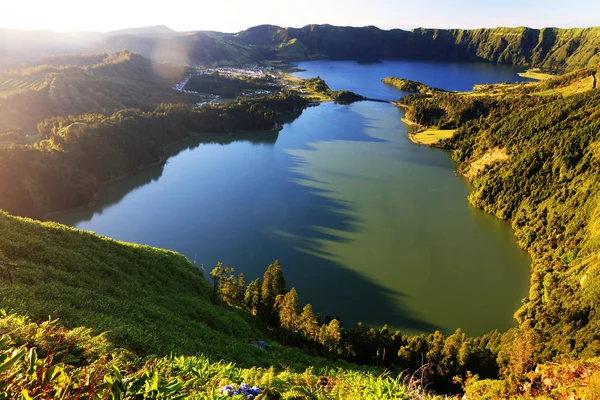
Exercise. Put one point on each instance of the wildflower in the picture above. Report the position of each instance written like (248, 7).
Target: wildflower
(226, 390)
(243, 389)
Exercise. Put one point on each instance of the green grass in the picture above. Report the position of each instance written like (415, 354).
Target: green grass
(118, 301)
(150, 301)
(536, 74)
(431, 135)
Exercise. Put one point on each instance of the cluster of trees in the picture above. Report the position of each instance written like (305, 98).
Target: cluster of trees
(79, 153)
(409, 86)
(448, 359)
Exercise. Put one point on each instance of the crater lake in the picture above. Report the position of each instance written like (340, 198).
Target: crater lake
(367, 225)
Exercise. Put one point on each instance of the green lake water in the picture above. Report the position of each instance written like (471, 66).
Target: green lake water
(367, 225)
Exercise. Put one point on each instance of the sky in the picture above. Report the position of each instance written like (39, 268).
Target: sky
(236, 15)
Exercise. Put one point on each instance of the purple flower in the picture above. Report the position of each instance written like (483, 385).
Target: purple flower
(226, 390)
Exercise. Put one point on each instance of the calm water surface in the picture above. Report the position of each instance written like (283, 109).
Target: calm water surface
(367, 225)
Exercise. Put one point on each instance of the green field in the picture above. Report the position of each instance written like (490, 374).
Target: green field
(431, 136)
(536, 74)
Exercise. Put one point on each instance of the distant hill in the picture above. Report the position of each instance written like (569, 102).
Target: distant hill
(20, 47)
(189, 48)
(78, 84)
(157, 30)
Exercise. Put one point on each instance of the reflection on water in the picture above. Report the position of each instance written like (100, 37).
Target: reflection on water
(367, 225)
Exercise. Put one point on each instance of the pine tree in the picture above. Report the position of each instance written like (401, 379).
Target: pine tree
(333, 336)
(241, 288)
(309, 324)
(289, 311)
(252, 297)
(272, 286)
(219, 274)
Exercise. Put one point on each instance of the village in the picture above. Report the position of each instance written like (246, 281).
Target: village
(250, 72)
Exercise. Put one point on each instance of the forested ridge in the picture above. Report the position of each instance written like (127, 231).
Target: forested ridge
(77, 84)
(548, 48)
(77, 154)
(531, 153)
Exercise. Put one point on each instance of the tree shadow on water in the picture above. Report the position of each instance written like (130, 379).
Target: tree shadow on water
(318, 274)
(332, 288)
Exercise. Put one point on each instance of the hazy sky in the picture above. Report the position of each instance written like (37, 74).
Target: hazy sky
(235, 15)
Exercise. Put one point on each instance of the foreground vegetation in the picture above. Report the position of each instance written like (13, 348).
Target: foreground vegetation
(48, 361)
(152, 301)
(149, 314)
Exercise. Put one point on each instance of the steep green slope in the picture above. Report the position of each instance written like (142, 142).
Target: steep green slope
(532, 153)
(548, 48)
(150, 301)
(83, 85)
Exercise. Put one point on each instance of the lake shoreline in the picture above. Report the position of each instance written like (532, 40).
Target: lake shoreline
(52, 215)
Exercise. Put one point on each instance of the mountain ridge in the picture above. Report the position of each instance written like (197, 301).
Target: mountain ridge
(547, 48)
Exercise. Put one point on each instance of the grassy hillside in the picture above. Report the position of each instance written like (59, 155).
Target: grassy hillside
(82, 84)
(150, 301)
